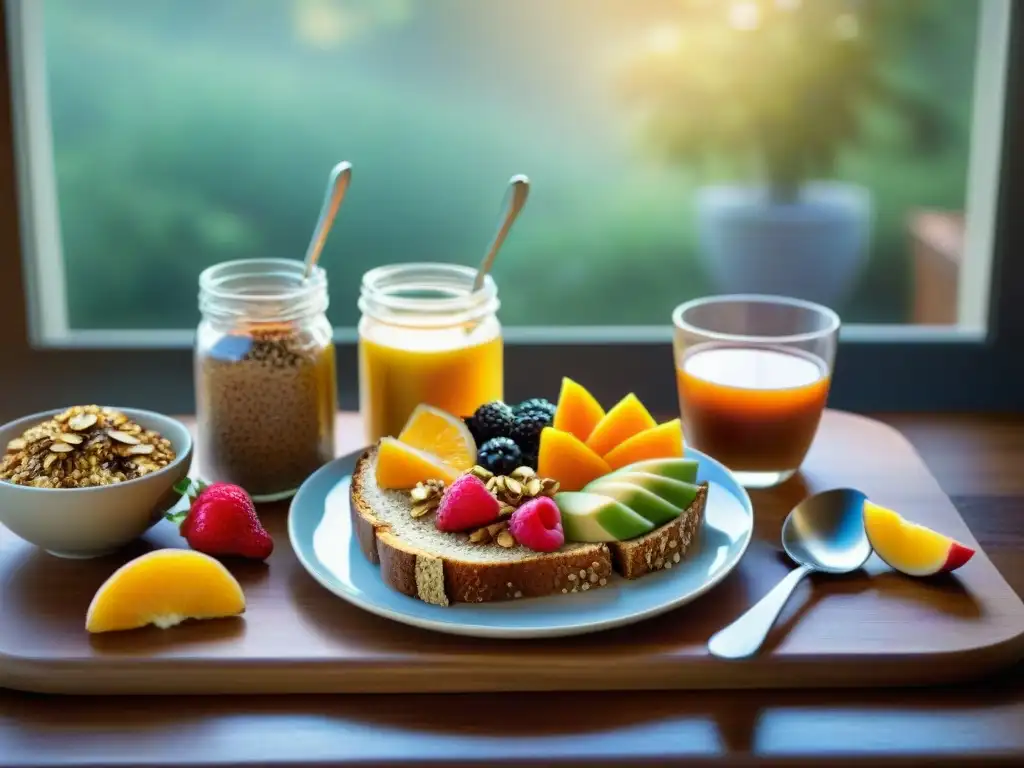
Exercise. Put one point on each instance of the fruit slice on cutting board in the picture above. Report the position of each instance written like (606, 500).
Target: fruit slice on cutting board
(677, 493)
(577, 411)
(440, 434)
(567, 459)
(626, 418)
(663, 441)
(164, 588)
(684, 470)
(400, 466)
(592, 517)
(911, 548)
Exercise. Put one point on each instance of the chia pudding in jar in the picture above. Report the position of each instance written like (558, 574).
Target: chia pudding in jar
(266, 393)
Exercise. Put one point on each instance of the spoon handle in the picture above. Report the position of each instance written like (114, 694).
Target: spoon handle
(515, 199)
(337, 185)
(745, 635)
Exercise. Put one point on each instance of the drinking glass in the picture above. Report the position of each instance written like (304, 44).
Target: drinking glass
(753, 374)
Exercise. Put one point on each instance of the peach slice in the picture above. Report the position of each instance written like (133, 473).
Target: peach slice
(911, 548)
(164, 588)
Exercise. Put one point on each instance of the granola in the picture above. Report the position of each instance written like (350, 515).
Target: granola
(82, 447)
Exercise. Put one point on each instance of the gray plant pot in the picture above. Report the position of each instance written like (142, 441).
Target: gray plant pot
(813, 248)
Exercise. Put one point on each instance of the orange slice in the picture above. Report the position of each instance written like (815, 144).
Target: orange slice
(164, 588)
(439, 433)
(401, 466)
(664, 441)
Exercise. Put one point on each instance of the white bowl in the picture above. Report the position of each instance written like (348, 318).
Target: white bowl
(89, 522)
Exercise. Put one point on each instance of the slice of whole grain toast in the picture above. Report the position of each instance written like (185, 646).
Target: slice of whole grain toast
(442, 568)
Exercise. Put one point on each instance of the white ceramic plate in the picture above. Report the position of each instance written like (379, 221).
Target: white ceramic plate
(320, 528)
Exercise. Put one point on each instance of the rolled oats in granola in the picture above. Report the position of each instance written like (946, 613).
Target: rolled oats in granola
(82, 447)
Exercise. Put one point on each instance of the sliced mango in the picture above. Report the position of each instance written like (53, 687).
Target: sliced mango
(577, 411)
(567, 459)
(628, 417)
(665, 441)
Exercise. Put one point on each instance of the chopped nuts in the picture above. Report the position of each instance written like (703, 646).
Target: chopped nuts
(481, 473)
(84, 446)
(523, 474)
(426, 497)
(490, 533)
(518, 487)
(505, 539)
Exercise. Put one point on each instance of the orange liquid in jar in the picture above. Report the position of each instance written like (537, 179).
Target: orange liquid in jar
(755, 409)
(401, 368)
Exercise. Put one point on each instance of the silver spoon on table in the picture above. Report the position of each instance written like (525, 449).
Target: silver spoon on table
(825, 533)
(337, 185)
(515, 199)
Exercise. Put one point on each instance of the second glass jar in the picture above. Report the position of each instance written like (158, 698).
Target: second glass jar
(426, 337)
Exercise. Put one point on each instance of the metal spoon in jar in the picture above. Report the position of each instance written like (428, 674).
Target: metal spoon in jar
(515, 199)
(337, 185)
(824, 532)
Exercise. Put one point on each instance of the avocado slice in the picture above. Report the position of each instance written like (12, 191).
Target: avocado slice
(684, 470)
(641, 500)
(592, 517)
(675, 492)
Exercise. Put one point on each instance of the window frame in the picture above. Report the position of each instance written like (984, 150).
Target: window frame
(922, 370)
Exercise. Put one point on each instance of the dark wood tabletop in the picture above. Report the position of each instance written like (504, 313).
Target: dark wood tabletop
(978, 462)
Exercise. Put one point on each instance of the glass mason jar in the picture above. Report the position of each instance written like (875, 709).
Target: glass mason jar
(426, 337)
(266, 393)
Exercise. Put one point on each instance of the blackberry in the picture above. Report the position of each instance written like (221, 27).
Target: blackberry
(527, 428)
(500, 455)
(491, 420)
(535, 404)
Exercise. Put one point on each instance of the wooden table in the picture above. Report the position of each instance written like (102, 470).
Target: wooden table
(978, 462)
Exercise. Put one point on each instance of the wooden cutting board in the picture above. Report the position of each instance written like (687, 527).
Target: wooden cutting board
(869, 629)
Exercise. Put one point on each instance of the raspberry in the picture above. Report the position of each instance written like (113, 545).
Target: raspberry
(465, 505)
(537, 525)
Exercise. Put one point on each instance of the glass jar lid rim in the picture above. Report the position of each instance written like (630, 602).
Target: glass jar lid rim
(288, 271)
(382, 284)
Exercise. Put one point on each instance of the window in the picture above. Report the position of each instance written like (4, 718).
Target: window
(848, 151)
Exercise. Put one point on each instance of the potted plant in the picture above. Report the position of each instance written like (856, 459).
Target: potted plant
(771, 91)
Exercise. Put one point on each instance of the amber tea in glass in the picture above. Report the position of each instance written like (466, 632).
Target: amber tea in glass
(753, 374)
